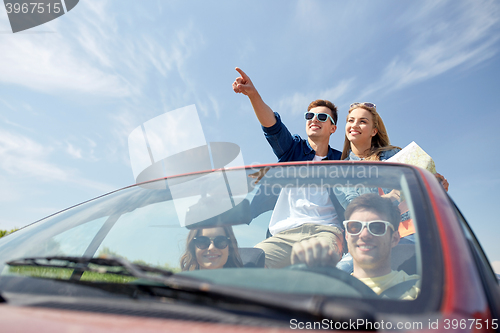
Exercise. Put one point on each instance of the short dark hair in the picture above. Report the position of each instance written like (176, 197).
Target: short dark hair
(374, 202)
(328, 104)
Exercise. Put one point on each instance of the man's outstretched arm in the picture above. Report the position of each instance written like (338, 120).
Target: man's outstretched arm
(243, 85)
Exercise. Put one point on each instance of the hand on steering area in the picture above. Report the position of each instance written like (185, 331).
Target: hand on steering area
(315, 252)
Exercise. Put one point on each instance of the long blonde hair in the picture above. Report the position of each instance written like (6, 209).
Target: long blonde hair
(380, 141)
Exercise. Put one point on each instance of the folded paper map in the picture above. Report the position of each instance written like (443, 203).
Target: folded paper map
(414, 155)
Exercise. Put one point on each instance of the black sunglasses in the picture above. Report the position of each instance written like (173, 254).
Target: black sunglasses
(203, 242)
(321, 116)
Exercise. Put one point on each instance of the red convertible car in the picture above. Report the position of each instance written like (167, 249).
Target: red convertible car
(182, 254)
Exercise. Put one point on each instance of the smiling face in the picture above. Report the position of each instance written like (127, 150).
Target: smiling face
(359, 128)
(371, 254)
(212, 257)
(316, 128)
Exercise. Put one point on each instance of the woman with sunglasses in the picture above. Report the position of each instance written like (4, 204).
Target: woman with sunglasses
(211, 248)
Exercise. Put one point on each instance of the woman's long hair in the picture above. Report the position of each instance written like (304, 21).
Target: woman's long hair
(380, 141)
(188, 259)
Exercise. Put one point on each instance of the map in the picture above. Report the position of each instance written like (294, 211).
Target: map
(414, 155)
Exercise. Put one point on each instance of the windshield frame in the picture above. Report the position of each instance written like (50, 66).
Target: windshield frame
(430, 297)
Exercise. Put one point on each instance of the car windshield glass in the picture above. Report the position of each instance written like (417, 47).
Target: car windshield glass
(231, 228)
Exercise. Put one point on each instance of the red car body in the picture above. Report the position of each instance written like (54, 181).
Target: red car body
(462, 290)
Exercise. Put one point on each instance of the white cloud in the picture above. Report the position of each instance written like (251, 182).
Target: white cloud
(215, 106)
(95, 30)
(7, 104)
(124, 123)
(56, 62)
(442, 39)
(96, 52)
(20, 155)
(23, 158)
(298, 102)
(90, 44)
(73, 151)
(14, 124)
(56, 68)
(79, 148)
(181, 46)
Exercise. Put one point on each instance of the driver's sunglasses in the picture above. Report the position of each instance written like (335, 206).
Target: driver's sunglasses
(321, 116)
(368, 105)
(203, 242)
(376, 228)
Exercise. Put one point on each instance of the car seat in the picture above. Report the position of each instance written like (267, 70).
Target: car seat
(252, 257)
(403, 258)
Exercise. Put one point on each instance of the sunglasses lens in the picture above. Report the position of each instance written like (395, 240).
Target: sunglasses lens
(202, 242)
(322, 116)
(370, 105)
(354, 227)
(377, 228)
(221, 242)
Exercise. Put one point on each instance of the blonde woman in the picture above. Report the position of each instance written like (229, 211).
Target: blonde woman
(365, 135)
(366, 139)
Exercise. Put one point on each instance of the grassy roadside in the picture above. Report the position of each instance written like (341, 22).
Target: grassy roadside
(6, 232)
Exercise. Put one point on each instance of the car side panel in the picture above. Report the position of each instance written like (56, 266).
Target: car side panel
(462, 285)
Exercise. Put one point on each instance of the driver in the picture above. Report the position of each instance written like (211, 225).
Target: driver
(371, 231)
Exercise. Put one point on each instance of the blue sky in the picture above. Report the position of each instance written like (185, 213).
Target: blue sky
(73, 89)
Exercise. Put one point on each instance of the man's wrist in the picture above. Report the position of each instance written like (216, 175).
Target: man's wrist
(254, 95)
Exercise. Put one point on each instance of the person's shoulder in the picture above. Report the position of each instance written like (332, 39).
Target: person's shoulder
(352, 157)
(278, 127)
(334, 154)
(386, 154)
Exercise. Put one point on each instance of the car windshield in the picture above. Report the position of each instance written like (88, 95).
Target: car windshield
(185, 225)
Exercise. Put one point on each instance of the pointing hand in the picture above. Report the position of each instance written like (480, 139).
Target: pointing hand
(243, 84)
